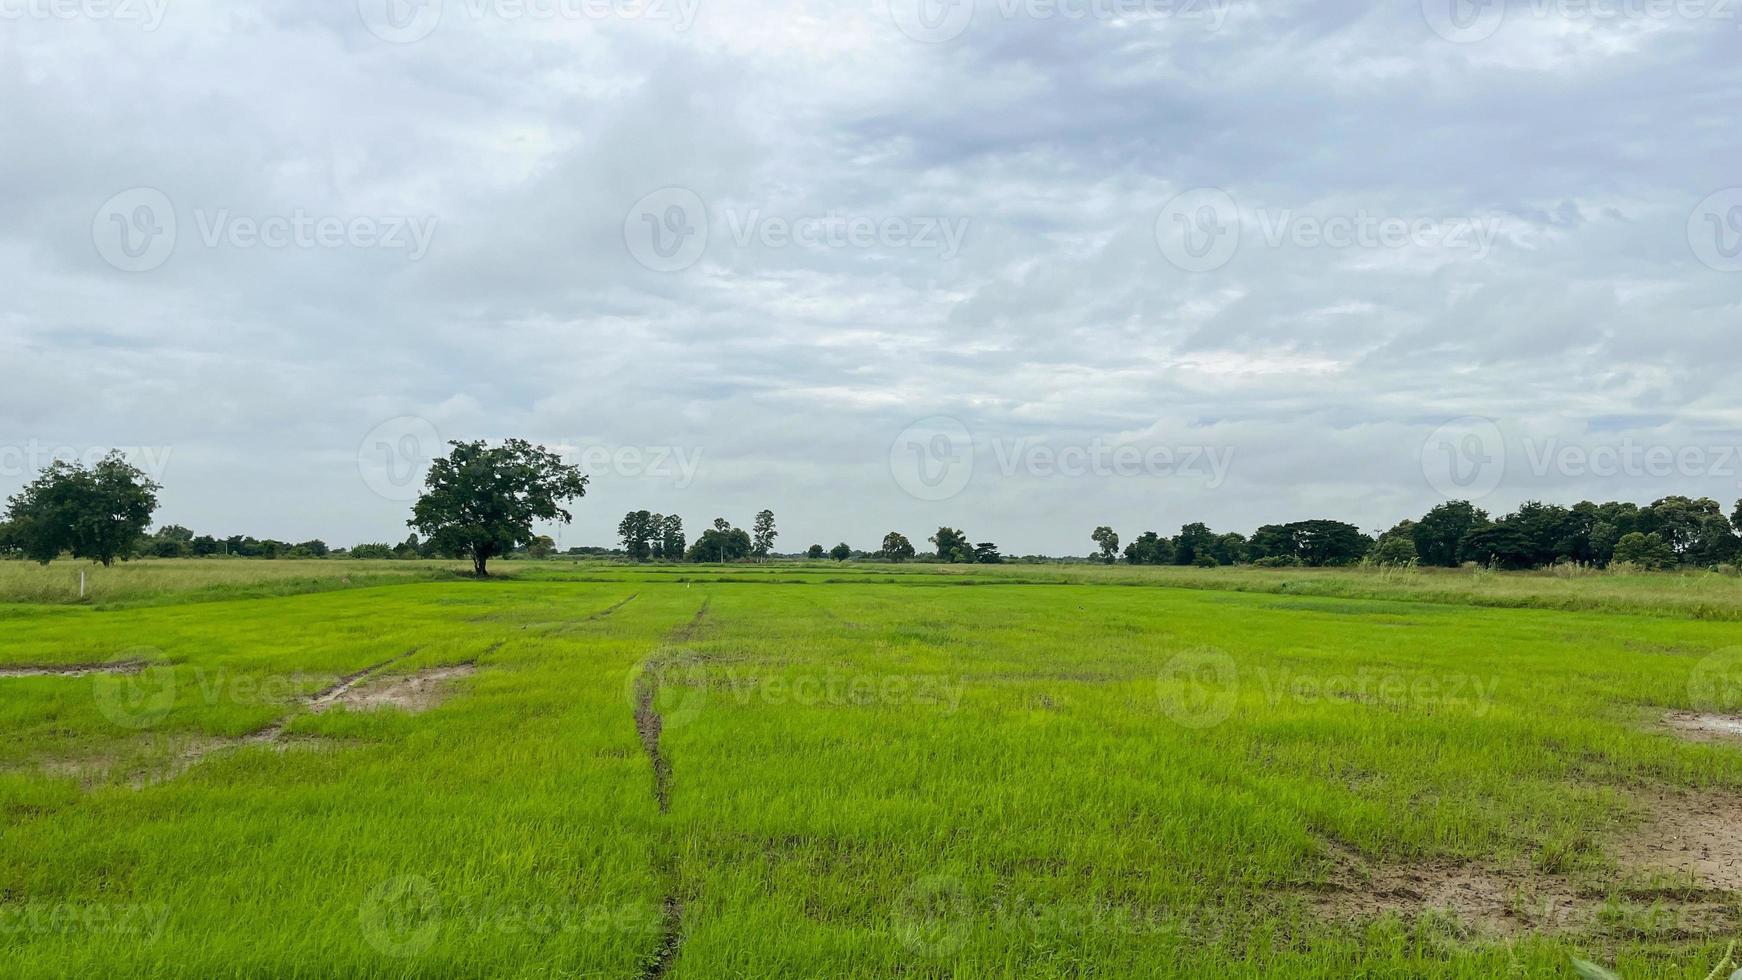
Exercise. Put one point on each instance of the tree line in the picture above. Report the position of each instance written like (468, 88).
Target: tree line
(482, 502)
(1671, 532)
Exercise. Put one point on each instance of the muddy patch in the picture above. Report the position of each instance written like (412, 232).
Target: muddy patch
(1491, 900)
(1694, 726)
(74, 670)
(405, 692)
(1694, 837)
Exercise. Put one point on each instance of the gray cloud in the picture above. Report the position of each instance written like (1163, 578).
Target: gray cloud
(787, 371)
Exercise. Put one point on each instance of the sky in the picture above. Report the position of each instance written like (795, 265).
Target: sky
(1022, 267)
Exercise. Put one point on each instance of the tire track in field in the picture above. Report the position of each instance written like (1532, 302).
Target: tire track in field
(605, 613)
(650, 725)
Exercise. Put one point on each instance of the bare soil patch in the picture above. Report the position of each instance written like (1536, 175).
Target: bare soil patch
(1489, 899)
(74, 670)
(1693, 836)
(407, 692)
(1701, 727)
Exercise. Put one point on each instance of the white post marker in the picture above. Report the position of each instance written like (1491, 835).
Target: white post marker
(81, 583)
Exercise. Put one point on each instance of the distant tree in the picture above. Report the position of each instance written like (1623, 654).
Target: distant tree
(1272, 541)
(205, 546)
(721, 524)
(953, 545)
(986, 553)
(1395, 548)
(656, 536)
(1150, 548)
(170, 541)
(636, 532)
(1206, 560)
(672, 537)
(1229, 549)
(841, 552)
(1442, 530)
(763, 535)
(721, 544)
(1645, 550)
(1501, 545)
(1193, 540)
(896, 547)
(9, 543)
(98, 513)
(1109, 543)
(1604, 537)
(815, 552)
(1736, 518)
(1329, 543)
(372, 551)
(540, 548)
(482, 501)
(1696, 530)
(315, 548)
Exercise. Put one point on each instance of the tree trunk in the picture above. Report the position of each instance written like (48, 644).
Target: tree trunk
(478, 566)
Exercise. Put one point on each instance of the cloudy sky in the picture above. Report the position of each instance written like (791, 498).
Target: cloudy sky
(1019, 266)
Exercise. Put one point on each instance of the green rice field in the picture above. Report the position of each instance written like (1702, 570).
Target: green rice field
(593, 770)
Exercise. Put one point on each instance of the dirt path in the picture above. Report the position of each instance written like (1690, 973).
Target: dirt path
(74, 670)
(649, 725)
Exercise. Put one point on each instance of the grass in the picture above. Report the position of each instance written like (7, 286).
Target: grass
(194, 580)
(872, 772)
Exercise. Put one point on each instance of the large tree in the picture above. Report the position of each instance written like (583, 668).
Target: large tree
(1109, 542)
(763, 534)
(1443, 529)
(636, 531)
(1149, 548)
(896, 547)
(99, 513)
(482, 501)
(672, 537)
(841, 552)
(1648, 551)
(721, 543)
(953, 545)
(1192, 542)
